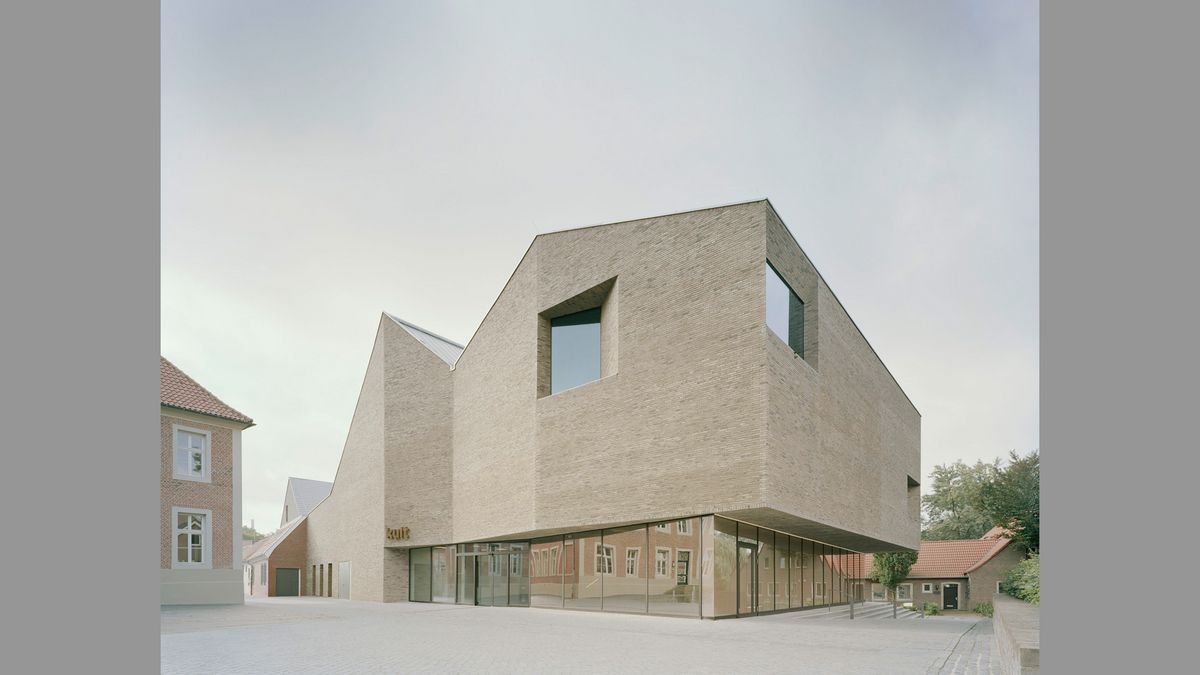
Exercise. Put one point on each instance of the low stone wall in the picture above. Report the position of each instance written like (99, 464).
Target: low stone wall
(1017, 628)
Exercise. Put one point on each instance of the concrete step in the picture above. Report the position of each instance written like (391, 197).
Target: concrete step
(880, 610)
(866, 611)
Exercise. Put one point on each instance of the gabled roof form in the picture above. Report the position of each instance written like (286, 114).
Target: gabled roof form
(446, 350)
(177, 390)
(264, 547)
(307, 494)
(949, 558)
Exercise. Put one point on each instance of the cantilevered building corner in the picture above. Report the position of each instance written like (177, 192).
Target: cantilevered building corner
(672, 415)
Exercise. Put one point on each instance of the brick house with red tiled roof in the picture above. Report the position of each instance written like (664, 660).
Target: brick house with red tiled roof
(200, 493)
(954, 573)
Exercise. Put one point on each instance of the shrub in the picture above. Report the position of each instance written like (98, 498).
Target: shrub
(984, 608)
(932, 609)
(1024, 581)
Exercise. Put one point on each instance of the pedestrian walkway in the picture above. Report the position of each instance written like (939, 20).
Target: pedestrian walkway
(322, 635)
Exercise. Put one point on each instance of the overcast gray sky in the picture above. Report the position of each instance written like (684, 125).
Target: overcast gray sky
(323, 162)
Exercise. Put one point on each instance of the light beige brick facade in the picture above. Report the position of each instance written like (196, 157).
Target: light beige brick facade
(348, 525)
(700, 408)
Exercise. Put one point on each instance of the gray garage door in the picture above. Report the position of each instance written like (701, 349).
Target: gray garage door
(287, 581)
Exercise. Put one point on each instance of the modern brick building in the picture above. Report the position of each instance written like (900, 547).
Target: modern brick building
(672, 415)
(200, 493)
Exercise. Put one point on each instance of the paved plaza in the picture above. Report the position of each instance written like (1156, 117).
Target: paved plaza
(321, 635)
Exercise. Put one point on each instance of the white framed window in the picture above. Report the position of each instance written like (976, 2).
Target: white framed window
(819, 590)
(904, 592)
(554, 560)
(604, 559)
(193, 538)
(926, 588)
(631, 561)
(662, 562)
(878, 592)
(192, 454)
(684, 526)
(262, 572)
(663, 527)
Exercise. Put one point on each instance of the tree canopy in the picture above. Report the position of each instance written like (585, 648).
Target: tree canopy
(953, 509)
(892, 568)
(251, 534)
(1013, 499)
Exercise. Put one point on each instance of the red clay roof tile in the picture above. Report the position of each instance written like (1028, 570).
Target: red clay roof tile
(949, 558)
(180, 391)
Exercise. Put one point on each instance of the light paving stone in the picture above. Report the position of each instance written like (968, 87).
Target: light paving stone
(319, 635)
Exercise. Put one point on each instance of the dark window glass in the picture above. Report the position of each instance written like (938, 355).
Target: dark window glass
(785, 311)
(545, 576)
(466, 576)
(420, 578)
(725, 567)
(574, 349)
(675, 589)
(621, 558)
(583, 586)
(443, 574)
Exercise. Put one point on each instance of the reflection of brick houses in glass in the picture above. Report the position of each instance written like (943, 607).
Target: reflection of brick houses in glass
(636, 569)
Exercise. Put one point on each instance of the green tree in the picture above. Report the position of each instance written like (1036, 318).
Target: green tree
(1013, 499)
(952, 506)
(890, 569)
(1025, 580)
(251, 534)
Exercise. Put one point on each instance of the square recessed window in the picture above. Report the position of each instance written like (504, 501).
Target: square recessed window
(191, 454)
(574, 349)
(785, 311)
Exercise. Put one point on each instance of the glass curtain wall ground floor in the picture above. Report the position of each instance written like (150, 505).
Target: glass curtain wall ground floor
(706, 566)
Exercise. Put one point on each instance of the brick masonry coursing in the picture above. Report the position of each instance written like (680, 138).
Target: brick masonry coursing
(700, 408)
(216, 496)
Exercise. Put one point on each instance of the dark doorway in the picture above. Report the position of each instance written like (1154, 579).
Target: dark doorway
(949, 596)
(287, 581)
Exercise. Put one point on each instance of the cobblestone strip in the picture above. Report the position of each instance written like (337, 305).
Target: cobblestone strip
(972, 653)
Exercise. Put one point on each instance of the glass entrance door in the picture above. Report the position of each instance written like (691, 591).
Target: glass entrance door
(747, 577)
(466, 577)
(500, 573)
(497, 564)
